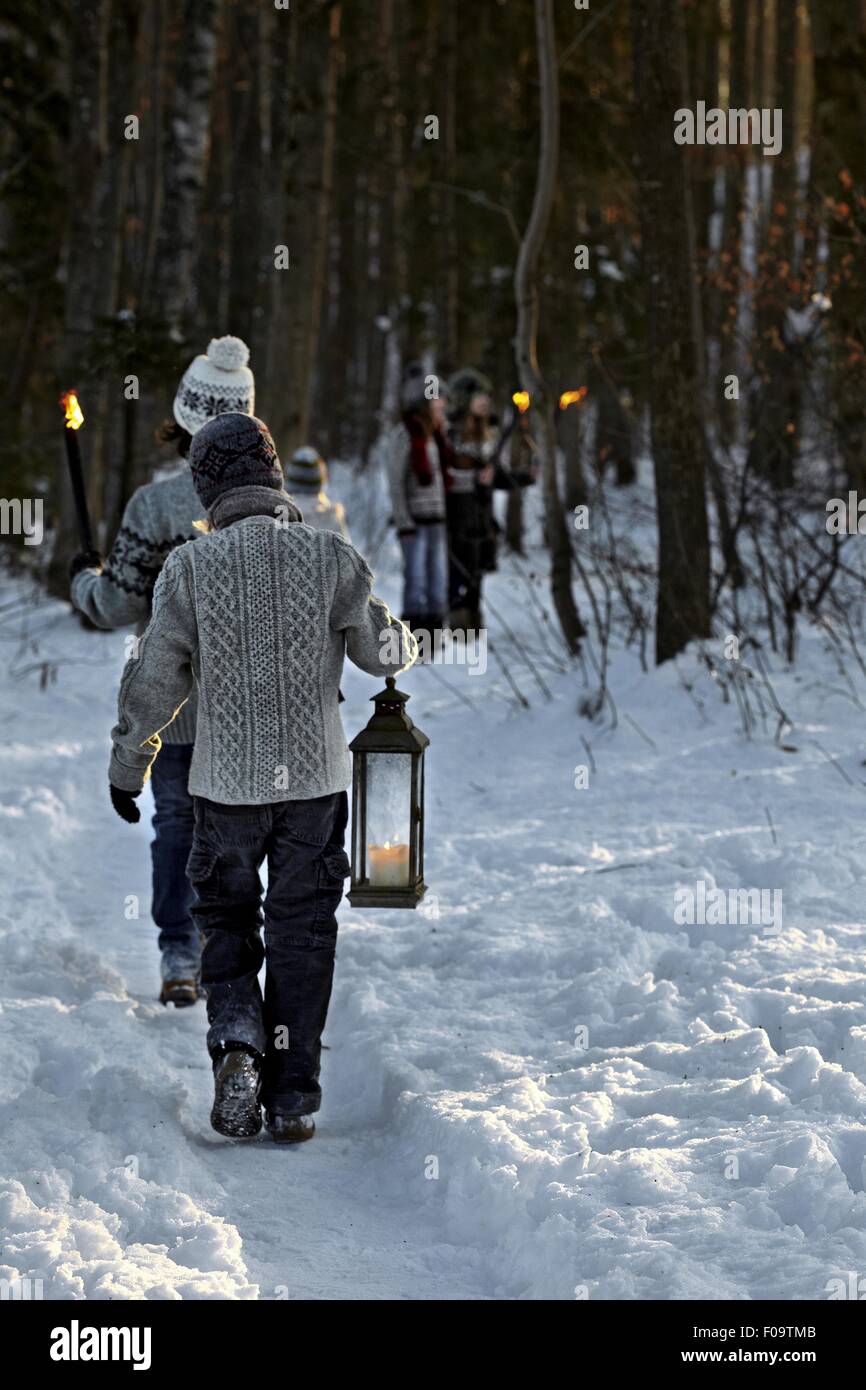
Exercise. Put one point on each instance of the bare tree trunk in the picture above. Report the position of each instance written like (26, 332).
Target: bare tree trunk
(184, 162)
(312, 172)
(613, 434)
(678, 441)
(571, 429)
(397, 276)
(323, 211)
(98, 170)
(449, 330)
(526, 336)
(268, 364)
(839, 193)
(776, 404)
(156, 59)
(740, 65)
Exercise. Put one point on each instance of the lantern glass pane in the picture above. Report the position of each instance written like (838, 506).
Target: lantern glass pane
(389, 813)
(358, 860)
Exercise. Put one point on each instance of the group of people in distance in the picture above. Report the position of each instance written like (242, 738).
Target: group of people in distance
(445, 459)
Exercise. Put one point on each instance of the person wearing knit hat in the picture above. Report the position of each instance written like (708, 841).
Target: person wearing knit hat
(215, 382)
(307, 481)
(463, 387)
(118, 591)
(258, 614)
(418, 462)
(233, 451)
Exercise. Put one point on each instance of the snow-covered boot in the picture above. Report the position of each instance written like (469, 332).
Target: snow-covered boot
(181, 993)
(289, 1129)
(237, 1074)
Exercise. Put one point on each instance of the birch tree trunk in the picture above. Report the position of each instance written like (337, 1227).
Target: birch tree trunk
(740, 65)
(678, 442)
(185, 154)
(450, 281)
(311, 186)
(526, 336)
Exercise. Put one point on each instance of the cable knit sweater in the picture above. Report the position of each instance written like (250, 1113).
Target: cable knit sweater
(158, 517)
(257, 616)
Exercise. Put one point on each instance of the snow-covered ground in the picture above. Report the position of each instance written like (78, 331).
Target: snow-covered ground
(541, 1085)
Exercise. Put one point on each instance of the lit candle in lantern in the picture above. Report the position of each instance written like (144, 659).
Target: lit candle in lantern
(389, 865)
(388, 800)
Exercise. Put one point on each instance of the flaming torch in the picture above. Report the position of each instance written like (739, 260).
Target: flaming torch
(522, 401)
(572, 397)
(73, 420)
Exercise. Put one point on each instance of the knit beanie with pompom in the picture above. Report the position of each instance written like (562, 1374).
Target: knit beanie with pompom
(215, 382)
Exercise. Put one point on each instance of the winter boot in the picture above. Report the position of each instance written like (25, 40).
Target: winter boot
(423, 627)
(181, 993)
(289, 1129)
(237, 1074)
(460, 619)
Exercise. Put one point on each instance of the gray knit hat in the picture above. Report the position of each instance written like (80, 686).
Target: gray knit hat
(413, 392)
(214, 382)
(307, 471)
(233, 450)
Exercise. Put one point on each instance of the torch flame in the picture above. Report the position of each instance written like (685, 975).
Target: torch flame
(521, 400)
(572, 397)
(74, 413)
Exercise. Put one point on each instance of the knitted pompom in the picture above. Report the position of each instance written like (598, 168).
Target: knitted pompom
(228, 353)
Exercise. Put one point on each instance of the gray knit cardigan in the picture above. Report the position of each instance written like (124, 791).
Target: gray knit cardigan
(256, 616)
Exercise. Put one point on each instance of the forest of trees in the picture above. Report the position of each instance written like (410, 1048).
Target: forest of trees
(160, 160)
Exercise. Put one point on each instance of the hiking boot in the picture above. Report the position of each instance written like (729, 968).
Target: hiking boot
(289, 1129)
(237, 1074)
(461, 619)
(181, 993)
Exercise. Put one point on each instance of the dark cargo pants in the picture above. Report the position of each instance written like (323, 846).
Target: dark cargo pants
(302, 842)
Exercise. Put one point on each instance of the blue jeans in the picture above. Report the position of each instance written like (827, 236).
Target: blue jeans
(425, 571)
(173, 825)
(303, 844)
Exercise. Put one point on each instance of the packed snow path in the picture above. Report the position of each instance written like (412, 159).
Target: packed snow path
(541, 1087)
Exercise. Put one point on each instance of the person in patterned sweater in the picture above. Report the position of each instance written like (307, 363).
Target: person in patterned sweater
(257, 616)
(118, 591)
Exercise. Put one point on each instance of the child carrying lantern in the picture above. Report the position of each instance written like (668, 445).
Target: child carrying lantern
(256, 616)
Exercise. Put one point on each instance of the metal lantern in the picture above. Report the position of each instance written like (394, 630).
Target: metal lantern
(388, 806)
